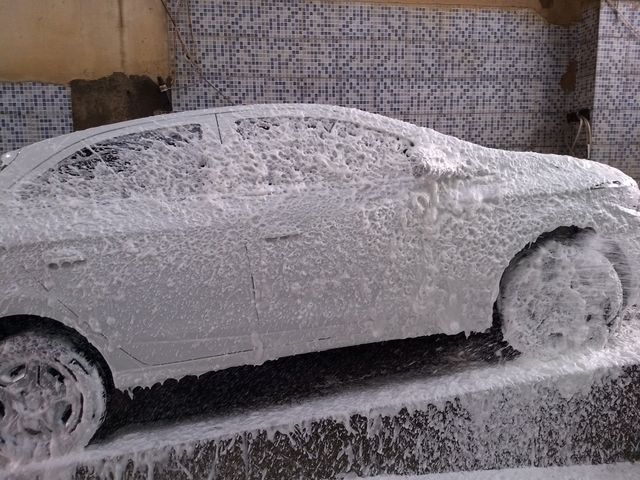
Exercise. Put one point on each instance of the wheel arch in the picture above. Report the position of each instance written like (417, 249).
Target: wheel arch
(14, 324)
(559, 233)
(614, 254)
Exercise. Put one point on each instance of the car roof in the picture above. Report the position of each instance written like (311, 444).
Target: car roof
(37, 153)
(34, 155)
(58, 143)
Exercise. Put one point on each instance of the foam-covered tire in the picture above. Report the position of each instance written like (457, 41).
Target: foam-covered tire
(52, 398)
(562, 295)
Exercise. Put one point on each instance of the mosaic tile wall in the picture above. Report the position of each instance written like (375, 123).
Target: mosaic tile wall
(30, 112)
(491, 76)
(616, 116)
(584, 53)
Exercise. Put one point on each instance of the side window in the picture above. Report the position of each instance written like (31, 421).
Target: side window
(124, 165)
(294, 150)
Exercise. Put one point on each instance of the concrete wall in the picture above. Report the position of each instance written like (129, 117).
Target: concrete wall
(561, 12)
(60, 40)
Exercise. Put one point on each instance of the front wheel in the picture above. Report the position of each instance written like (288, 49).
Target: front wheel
(52, 399)
(564, 294)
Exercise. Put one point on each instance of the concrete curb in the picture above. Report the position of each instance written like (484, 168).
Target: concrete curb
(541, 423)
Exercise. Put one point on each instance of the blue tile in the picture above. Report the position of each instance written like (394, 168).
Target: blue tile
(33, 111)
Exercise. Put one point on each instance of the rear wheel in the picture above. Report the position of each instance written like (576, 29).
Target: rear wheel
(561, 295)
(52, 398)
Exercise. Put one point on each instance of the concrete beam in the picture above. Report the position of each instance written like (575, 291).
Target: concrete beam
(61, 40)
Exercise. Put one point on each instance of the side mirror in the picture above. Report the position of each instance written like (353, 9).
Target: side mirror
(7, 158)
(418, 167)
(437, 162)
(419, 162)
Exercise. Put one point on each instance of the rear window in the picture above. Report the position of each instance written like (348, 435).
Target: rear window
(294, 150)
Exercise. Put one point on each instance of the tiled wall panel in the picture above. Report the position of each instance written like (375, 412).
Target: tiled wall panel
(30, 112)
(584, 53)
(487, 75)
(616, 105)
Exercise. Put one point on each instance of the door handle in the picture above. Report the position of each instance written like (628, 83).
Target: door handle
(63, 258)
(285, 236)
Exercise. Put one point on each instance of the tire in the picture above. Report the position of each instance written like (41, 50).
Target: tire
(52, 398)
(562, 295)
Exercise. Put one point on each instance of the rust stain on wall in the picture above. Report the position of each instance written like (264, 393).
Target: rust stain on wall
(559, 12)
(568, 80)
(115, 98)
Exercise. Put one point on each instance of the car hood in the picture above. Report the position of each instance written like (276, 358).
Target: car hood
(556, 173)
(590, 173)
(449, 157)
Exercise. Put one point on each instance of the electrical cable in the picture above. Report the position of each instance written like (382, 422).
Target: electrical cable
(187, 54)
(583, 122)
(634, 30)
(575, 140)
(588, 130)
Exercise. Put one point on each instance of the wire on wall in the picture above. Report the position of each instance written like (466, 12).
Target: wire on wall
(634, 30)
(188, 55)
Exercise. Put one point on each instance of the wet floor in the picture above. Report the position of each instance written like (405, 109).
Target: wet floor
(426, 405)
(300, 377)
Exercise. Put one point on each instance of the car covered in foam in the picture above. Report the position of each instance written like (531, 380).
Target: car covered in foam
(189, 242)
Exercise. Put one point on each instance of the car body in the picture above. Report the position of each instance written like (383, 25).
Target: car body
(231, 236)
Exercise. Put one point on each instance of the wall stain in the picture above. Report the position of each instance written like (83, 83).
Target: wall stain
(568, 80)
(115, 98)
(557, 12)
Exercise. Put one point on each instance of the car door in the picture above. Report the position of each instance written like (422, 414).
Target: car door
(143, 247)
(337, 254)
